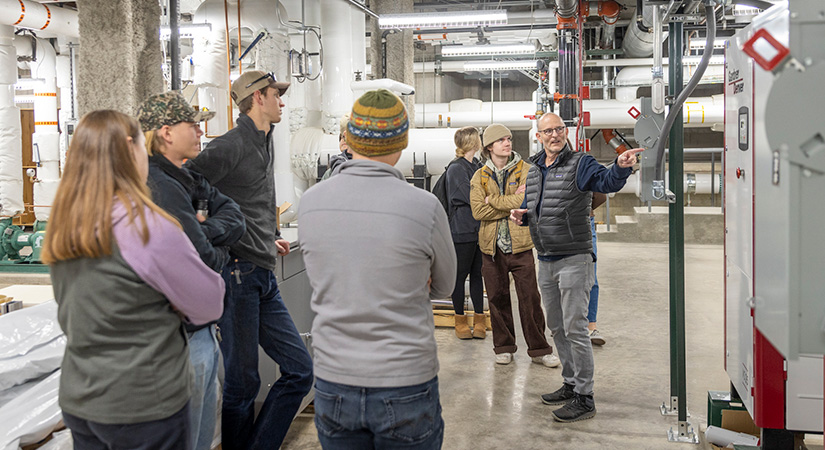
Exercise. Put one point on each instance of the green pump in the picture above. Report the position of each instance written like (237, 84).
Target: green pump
(13, 239)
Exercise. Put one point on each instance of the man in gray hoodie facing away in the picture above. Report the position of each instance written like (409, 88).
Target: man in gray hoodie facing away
(376, 251)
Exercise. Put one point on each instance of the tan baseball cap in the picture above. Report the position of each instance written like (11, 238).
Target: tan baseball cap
(253, 80)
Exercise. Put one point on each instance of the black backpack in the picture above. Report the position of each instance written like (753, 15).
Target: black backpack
(440, 190)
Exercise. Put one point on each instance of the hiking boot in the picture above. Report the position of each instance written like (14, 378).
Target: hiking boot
(560, 397)
(595, 337)
(582, 407)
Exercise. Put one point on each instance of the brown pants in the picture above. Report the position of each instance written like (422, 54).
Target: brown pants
(495, 271)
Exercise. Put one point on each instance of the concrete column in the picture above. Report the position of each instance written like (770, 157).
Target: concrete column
(399, 50)
(119, 60)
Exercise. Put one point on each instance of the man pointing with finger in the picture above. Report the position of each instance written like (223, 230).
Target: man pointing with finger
(556, 208)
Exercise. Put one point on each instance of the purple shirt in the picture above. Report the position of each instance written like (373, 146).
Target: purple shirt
(169, 263)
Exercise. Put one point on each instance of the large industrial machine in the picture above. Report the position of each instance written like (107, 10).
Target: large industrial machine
(774, 174)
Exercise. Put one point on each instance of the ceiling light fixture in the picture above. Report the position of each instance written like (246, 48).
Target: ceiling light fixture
(472, 50)
(443, 19)
(481, 66)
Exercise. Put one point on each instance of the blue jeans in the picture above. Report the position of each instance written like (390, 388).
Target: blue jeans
(203, 406)
(360, 418)
(171, 433)
(593, 306)
(254, 314)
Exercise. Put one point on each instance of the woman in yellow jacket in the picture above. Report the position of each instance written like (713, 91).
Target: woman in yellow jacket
(495, 189)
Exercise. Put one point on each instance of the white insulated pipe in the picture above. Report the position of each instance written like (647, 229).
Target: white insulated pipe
(44, 19)
(703, 183)
(698, 112)
(629, 79)
(359, 87)
(337, 26)
(46, 137)
(11, 164)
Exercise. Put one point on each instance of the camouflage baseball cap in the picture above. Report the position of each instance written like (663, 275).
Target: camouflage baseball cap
(168, 108)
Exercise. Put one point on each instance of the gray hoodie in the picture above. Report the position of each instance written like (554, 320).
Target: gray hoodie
(371, 242)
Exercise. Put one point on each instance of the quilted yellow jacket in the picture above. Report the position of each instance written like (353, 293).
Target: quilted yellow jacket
(485, 186)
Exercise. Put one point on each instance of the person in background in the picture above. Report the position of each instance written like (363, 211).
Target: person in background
(495, 189)
(124, 277)
(464, 229)
(172, 134)
(240, 165)
(556, 209)
(377, 250)
(595, 337)
(346, 153)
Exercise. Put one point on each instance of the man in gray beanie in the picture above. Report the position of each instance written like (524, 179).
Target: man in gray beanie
(376, 251)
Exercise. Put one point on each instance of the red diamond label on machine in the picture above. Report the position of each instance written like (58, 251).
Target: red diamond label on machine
(634, 113)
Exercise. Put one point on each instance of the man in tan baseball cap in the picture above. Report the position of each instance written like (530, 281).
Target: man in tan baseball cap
(239, 164)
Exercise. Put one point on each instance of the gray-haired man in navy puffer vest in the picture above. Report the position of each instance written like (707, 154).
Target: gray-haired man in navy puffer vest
(557, 209)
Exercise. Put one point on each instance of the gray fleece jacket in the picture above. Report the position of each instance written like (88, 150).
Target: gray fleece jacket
(371, 242)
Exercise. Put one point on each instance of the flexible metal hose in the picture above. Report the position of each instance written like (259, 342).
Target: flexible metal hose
(710, 22)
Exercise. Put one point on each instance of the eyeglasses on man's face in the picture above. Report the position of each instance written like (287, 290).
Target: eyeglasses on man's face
(264, 77)
(550, 131)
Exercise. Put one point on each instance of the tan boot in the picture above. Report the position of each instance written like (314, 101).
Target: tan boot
(480, 326)
(461, 328)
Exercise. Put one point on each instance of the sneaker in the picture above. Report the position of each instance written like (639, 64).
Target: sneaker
(560, 397)
(582, 407)
(504, 358)
(596, 338)
(550, 360)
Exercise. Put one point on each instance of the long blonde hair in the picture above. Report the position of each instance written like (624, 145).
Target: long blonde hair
(100, 167)
(466, 140)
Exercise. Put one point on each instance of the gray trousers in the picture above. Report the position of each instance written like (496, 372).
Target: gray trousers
(565, 290)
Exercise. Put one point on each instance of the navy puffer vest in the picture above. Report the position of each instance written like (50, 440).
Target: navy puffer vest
(563, 226)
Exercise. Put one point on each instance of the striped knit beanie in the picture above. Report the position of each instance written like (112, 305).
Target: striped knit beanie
(378, 124)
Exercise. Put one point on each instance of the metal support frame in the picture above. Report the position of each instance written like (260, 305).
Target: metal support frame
(676, 222)
(568, 75)
(174, 44)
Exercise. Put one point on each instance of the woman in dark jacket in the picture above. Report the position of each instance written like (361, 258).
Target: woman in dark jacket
(464, 229)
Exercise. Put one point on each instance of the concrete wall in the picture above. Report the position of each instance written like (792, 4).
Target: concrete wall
(119, 60)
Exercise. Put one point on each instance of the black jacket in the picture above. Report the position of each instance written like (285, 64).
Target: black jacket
(463, 226)
(239, 164)
(177, 191)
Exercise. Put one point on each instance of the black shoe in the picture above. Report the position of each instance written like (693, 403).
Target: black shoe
(560, 397)
(582, 407)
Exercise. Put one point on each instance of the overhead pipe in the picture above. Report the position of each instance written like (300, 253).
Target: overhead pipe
(11, 165)
(39, 17)
(639, 40)
(363, 8)
(699, 112)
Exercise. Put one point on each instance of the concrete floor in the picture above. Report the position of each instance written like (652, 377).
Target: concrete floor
(490, 406)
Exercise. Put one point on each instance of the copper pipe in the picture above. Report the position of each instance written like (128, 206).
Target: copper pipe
(240, 66)
(228, 62)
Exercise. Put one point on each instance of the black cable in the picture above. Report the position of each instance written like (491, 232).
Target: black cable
(691, 85)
